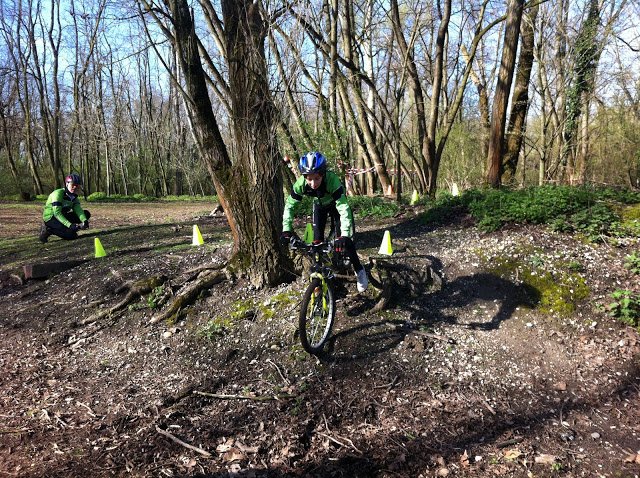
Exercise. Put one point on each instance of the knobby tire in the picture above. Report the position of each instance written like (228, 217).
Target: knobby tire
(316, 315)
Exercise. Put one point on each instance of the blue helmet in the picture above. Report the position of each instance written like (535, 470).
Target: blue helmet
(73, 178)
(312, 162)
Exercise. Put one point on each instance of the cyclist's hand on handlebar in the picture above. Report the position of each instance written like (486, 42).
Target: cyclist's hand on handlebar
(339, 244)
(286, 236)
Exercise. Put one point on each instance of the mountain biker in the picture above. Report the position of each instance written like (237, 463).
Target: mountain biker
(63, 215)
(329, 200)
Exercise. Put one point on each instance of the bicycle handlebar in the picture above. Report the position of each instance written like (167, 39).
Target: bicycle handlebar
(296, 244)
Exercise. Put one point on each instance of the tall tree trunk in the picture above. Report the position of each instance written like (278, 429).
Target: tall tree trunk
(432, 154)
(520, 97)
(582, 154)
(501, 97)
(250, 185)
(559, 96)
(587, 55)
(7, 145)
(479, 80)
(416, 93)
(368, 66)
(28, 134)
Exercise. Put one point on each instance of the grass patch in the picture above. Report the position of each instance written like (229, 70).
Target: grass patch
(99, 196)
(277, 303)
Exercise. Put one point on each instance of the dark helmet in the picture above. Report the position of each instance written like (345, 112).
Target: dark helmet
(312, 162)
(73, 178)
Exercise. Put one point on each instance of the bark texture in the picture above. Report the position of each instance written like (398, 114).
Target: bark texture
(505, 77)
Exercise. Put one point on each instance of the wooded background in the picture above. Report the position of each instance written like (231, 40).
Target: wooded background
(468, 92)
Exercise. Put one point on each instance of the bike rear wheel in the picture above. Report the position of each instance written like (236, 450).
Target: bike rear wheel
(317, 312)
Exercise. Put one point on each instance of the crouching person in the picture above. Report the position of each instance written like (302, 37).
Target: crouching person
(63, 215)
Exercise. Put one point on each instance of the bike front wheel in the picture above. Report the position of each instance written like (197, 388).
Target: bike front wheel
(317, 311)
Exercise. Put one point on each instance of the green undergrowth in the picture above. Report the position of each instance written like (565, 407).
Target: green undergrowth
(377, 207)
(625, 307)
(632, 262)
(626, 303)
(557, 281)
(593, 212)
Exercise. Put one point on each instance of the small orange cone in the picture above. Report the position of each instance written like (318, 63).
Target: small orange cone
(197, 237)
(386, 248)
(99, 249)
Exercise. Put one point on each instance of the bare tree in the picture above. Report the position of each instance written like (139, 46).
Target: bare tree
(18, 42)
(247, 174)
(8, 127)
(48, 87)
(351, 86)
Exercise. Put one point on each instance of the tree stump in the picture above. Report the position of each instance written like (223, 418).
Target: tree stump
(395, 280)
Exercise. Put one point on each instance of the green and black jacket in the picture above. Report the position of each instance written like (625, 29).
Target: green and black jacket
(59, 202)
(331, 190)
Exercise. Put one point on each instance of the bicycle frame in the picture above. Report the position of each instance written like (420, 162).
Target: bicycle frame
(316, 318)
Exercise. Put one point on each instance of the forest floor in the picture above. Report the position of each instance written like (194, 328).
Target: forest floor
(511, 368)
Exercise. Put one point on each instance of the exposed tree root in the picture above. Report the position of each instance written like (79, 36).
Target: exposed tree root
(135, 290)
(189, 294)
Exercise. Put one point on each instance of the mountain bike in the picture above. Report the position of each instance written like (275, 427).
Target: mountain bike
(318, 306)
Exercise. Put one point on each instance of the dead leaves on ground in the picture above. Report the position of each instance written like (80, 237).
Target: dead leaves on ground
(233, 450)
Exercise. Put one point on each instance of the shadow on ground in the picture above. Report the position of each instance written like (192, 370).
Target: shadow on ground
(374, 337)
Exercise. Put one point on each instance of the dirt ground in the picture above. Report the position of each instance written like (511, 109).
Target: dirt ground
(485, 376)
